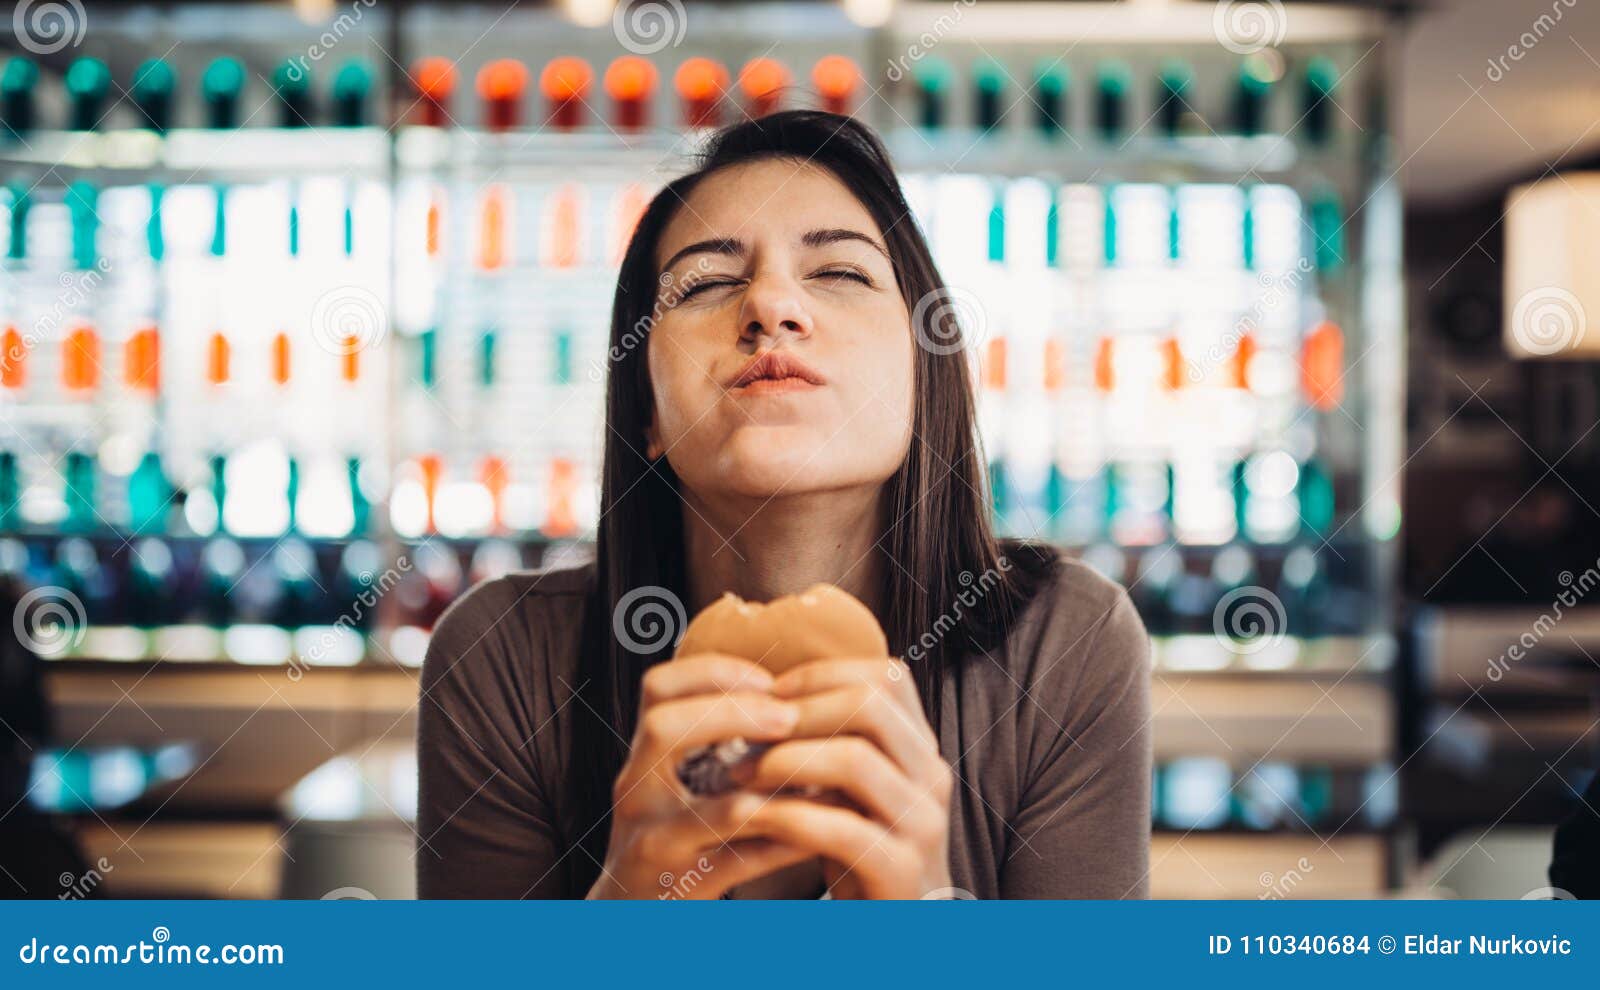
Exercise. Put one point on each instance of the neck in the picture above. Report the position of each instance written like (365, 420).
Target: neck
(764, 549)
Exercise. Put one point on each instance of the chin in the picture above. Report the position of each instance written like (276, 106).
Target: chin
(769, 461)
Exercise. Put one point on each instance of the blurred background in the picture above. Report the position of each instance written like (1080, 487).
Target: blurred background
(1277, 311)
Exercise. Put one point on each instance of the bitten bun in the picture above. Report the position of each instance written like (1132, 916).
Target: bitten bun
(821, 622)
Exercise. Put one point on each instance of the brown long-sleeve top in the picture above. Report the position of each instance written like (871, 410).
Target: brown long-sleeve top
(1049, 737)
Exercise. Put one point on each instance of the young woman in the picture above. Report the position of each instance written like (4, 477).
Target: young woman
(778, 416)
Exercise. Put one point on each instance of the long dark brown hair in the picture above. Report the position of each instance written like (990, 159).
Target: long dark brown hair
(938, 539)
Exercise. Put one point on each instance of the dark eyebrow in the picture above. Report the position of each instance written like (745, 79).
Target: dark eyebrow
(833, 235)
(713, 245)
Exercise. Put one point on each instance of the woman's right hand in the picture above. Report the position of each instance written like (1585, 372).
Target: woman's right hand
(665, 842)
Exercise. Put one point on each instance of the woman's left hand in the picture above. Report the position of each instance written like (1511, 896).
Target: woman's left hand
(862, 734)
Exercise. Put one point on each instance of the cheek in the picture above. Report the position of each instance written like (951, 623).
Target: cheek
(882, 367)
(678, 382)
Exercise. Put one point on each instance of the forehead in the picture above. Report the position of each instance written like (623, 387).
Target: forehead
(773, 198)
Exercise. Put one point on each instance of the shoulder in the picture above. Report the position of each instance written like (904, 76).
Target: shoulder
(1079, 637)
(523, 619)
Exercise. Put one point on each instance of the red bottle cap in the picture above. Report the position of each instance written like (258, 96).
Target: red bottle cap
(630, 81)
(836, 79)
(435, 79)
(701, 83)
(501, 85)
(565, 82)
(763, 81)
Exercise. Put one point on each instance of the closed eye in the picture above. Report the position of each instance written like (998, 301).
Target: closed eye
(699, 286)
(841, 273)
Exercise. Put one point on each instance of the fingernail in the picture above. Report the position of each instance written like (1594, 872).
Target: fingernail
(781, 717)
(758, 679)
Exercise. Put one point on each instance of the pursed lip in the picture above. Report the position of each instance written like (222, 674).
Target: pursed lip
(774, 368)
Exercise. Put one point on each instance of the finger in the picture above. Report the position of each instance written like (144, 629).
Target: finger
(857, 844)
(671, 729)
(708, 673)
(744, 861)
(890, 674)
(848, 764)
(863, 710)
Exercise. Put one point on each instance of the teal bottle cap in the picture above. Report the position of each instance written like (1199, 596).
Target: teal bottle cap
(1050, 77)
(152, 90)
(220, 86)
(21, 75)
(352, 85)
(1322, 75)
(989, 75)
(933, 75)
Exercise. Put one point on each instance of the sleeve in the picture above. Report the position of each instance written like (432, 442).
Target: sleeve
(1083, 826)
(484, 826)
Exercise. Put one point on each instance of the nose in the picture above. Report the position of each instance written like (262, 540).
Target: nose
(772, 307)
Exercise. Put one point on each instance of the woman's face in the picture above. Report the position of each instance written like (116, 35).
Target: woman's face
(781, 354)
